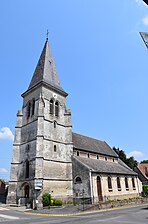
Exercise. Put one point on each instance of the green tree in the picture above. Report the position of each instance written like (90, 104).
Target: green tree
(131, 162)
(144, 161)
(145, 189)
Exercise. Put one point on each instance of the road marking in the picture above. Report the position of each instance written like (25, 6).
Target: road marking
(8, 217)
(3, 209)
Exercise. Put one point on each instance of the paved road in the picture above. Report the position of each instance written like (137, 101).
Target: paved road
(136, 215)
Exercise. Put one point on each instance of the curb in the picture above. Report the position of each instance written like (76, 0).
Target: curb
(84, 213)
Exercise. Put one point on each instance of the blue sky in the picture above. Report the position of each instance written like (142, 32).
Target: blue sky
(101, 61)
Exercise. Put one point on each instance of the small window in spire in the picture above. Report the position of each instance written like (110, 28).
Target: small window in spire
(57, 108)
(51, 106)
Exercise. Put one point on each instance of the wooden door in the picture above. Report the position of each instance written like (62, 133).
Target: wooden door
(99, 189)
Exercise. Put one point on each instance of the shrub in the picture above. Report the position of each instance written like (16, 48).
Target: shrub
(145, 189)
(46, 199)
(57, 202)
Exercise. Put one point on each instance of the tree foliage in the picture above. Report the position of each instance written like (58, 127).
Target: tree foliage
(2, 181)
(145, 189)
(46, 199)
(144, 161)
(131, 162)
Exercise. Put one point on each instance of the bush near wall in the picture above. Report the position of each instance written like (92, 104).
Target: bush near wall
(46, 199)
(49, 201)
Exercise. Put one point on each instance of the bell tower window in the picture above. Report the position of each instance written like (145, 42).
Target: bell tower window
(51, 106)
(57, 108)
(28, 110)
(33, 106)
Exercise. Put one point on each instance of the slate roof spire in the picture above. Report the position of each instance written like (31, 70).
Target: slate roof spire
(45, 71)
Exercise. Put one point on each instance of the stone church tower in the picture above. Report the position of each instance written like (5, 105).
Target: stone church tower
(42, 148)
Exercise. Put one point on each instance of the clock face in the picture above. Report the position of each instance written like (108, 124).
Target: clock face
(54, 95)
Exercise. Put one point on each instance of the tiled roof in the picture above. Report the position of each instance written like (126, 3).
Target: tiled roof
(102, 166)
(85, 143)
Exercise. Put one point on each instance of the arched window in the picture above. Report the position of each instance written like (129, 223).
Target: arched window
(78, 180)
(57, 108)
(27, 169)
(133, 183)
(33, 106)
(109, 184)
(126, 183)
(118, 184)
(28, 109)
(51, 106)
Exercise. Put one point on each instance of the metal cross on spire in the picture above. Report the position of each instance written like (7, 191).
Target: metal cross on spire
(47, 35)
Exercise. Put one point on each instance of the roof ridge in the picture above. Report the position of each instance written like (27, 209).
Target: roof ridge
(89, 137)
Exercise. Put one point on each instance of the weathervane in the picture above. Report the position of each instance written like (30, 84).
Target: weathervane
(47, 35)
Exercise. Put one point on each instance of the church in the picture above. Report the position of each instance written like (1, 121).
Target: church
(49, 157)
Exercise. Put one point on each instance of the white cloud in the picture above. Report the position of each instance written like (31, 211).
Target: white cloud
(3, 171)
(6, 133)
(145, 20)
(135, 154)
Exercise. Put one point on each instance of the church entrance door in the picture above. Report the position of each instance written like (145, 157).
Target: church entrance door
(26, 191)
(99, 189)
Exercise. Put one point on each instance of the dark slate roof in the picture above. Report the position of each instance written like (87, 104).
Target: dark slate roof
(88, 144)
(101, 166)
(45, 70)
(141, 176)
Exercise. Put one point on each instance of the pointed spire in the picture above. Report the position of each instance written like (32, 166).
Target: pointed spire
(45, 70)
